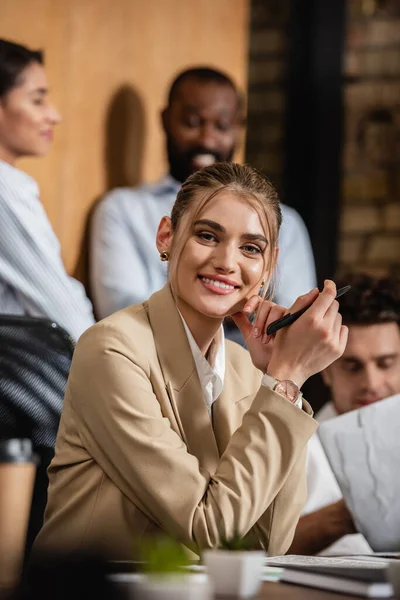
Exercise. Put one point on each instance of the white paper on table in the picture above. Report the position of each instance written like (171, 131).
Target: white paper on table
(363, 448)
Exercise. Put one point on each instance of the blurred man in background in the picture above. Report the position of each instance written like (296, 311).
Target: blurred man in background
(367, 372)
(202, 122)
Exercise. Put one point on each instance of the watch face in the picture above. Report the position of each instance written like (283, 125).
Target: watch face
(288, 389)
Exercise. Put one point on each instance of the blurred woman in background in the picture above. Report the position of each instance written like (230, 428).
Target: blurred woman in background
(33, 280)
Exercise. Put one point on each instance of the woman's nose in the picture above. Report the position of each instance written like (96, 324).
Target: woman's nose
(54, 116)
(225, 258)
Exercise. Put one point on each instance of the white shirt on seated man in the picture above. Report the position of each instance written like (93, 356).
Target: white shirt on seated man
(368, 371)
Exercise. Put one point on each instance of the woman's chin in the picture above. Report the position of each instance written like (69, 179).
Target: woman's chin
(221, 312)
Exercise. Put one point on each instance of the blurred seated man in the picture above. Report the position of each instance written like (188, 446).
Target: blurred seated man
(368, 371)
(202, 123)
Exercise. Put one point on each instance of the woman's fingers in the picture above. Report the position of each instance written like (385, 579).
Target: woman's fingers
(337, 326)
(330, 315)
(266, 313)
(243, 323)
(344, 334)
(252, 304)
(258, 343)
(324, 300)
(241, 318)
(274, 314)
(305, 300)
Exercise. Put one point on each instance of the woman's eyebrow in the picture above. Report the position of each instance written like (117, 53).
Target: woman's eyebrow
(213, 224)
(254, 237)
(40, 90)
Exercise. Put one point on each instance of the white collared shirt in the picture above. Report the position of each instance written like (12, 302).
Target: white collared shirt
(33, 280)
(211, 374)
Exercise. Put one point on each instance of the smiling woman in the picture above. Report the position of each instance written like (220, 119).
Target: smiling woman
(223, 233)
(33, 280)
(27, 117)
(168, 428)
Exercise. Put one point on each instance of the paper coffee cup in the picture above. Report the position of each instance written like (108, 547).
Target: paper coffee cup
(17, 476)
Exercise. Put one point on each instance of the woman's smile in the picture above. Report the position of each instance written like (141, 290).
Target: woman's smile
(218, 284)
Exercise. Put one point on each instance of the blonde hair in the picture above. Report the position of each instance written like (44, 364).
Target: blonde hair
(202, 186)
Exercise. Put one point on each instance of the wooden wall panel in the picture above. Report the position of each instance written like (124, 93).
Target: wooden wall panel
(109, 63)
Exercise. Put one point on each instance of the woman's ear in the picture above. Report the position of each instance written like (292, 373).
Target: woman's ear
(164, 235)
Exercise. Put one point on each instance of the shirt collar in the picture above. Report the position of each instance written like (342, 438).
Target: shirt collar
(19, 177)
(209, 372)
(168, 185)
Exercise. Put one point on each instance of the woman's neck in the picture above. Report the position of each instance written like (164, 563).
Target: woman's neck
(7, 156)
(202, 328)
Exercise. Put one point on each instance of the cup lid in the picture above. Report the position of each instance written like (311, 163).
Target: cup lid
(16, 450)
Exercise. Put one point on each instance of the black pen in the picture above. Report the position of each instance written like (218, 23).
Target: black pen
(292, 317)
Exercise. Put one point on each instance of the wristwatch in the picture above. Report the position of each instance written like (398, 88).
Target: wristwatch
(285, 387)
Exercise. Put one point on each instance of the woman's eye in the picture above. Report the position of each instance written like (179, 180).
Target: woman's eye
(250, 249)
(38, 102)
(208, 237)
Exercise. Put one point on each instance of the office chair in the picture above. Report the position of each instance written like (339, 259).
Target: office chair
(35, 358)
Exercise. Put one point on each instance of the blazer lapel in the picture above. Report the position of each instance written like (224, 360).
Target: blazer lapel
(234, 400)
(229, 407)
(182, 381)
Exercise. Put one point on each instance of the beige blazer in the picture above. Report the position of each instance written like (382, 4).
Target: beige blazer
(136, 451)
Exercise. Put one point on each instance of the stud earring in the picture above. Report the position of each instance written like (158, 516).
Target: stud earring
(263, 283)
(164, 256)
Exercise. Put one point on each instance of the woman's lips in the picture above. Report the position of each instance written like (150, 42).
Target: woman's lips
(218, 287)
(47, 135)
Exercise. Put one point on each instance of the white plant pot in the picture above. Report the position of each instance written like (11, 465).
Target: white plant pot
(191, 586)
(235, 573)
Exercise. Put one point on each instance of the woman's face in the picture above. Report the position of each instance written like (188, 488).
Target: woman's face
(224, 260)
(27, 119)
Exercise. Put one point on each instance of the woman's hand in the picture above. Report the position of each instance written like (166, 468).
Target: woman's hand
(313, 342)
(258, 342)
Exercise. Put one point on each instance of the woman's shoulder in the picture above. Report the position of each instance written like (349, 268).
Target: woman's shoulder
(14, 179)
(19, 197)
(126, 332)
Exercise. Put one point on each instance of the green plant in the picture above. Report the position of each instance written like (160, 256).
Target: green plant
(239, 542)
(162, 555)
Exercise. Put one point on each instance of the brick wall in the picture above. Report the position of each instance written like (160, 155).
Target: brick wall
(370, 213)
(369, 236)
(266, 96)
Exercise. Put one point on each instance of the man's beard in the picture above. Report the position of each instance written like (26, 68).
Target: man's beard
(180, 163)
